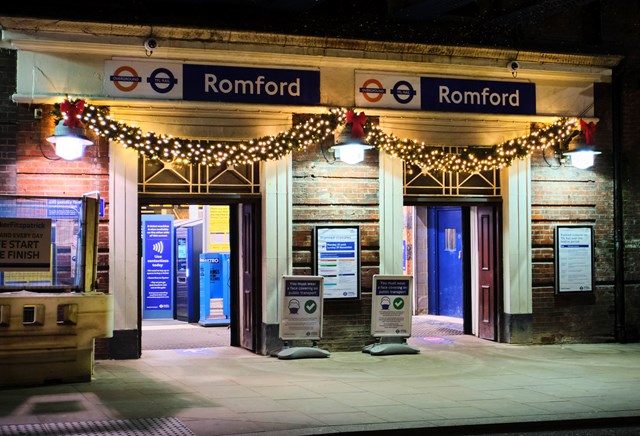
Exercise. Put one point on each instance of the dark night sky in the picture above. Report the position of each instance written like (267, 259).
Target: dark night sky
(571, 25)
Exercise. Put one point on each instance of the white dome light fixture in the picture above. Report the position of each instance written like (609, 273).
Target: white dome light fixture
(350, 144)
(68, 137)
(581, 149)
(69, 141)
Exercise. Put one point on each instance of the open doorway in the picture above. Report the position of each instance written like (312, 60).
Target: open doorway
(193, 280)
(185, 276)
(451, 250)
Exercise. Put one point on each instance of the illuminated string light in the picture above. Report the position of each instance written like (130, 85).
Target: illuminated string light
(471, 159)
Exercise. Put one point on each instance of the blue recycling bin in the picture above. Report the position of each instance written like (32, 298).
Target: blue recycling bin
(214, 289)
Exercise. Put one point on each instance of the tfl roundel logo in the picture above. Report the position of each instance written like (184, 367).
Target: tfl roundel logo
(125, 78)
(372, 90)
(403, 92)
(162, 80)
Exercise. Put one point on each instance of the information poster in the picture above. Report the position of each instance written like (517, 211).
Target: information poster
(218, 229)
(157, 261)
(301, 308)
(25, 244)
(337, 257)
(391, 306)
(574, 259)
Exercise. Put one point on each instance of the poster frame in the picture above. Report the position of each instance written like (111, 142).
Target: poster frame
(560, 257)
(286, 333)
(316, 259)
(407, 310)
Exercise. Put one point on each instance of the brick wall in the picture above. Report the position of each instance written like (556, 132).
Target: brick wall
(630, 157)
(338, 194)
(563, 195)
(38, 171)
(8, 120)
(624, 31)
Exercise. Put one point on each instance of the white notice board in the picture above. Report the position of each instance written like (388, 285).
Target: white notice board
(574, 259)
(301, 308)
(391, 306)
(337, 259)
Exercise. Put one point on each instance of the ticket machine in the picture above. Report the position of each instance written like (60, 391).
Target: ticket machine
(188, 243)
(214, 289)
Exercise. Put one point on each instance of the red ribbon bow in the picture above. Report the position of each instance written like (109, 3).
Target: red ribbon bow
(357, 122)
(589, 129)
(73, 111)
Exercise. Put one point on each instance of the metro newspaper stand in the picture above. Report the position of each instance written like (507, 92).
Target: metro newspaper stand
(391, 315)
(301, 316)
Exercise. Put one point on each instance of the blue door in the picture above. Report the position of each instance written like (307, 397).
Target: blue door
(445, 255)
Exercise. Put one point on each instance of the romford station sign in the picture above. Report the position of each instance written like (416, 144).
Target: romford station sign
(444, 94)
(191, 82)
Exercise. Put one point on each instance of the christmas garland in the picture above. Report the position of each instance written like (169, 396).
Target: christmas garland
(314, 130)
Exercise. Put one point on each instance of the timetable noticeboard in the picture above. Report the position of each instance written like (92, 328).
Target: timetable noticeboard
(574, 259)
(337, 259)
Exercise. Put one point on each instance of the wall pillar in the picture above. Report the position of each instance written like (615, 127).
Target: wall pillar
(124, 233)
(276, 242)
(391, 214)
(517, 324)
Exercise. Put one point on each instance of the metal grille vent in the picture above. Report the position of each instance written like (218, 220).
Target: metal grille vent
(121, 427)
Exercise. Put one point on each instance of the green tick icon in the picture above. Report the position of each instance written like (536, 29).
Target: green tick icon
(310, 306)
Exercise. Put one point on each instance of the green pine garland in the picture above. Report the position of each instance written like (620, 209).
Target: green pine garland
(317, 129)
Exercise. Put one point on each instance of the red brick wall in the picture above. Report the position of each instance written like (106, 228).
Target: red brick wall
(563, 195)
(338, 194)
(39, 172)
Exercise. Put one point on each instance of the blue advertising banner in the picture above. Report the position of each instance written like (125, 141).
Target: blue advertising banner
(478, 96)
(64, 208)
(250, 85)
(157, 264)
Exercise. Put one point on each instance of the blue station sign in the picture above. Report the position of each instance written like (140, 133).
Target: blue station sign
(441, 94)
(251, 85)
(214, 83)
(479, 96)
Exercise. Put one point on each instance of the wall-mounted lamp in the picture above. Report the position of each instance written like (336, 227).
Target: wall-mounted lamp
(350, 144)
(69, 141)
(579, 149)
(69, 137)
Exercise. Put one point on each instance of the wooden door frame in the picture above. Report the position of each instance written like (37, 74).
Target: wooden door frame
(466, 234)
(497, 275)
(236, 299)
(234, 202)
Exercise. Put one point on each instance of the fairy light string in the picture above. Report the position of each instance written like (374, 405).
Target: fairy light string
(318, 128)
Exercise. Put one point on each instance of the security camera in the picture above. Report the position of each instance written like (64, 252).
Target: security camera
(513, 66)
(150, 44)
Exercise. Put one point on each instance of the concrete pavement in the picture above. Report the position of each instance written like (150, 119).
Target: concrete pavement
(455, 385)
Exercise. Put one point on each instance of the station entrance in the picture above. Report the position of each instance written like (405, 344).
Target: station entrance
(451, 251)
(198, 275)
